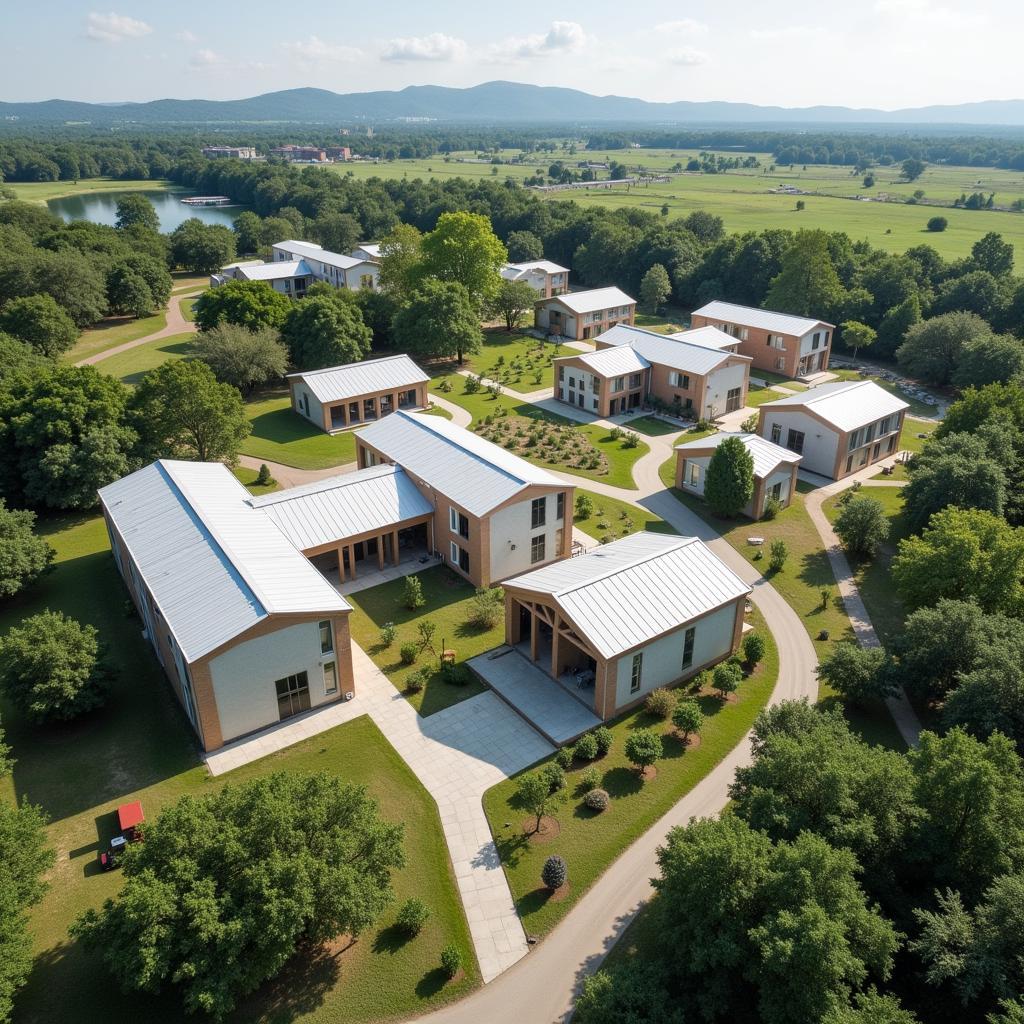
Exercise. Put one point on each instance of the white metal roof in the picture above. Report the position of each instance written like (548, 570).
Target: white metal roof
(846, 404)
(709, 337)
(312, 251)
(762, 319)
(470, 470)
(344, 506)
(593, 300)
(765, 454)
(334, 383)
(512, 271)
(677, 352)
(612, 362)
(372, 250)
(275, 271)
(214, 565)
(623, 594)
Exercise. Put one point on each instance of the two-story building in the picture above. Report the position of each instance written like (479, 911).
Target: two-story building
(582, 315)
(793, 346)
(543, 276)
(838, 428)
(696, 373)
(335, 268)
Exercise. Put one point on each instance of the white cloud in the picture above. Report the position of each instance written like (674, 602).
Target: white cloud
(114, 28)
(688, 57)
(207, 59)
(682, 27)
(789, 32)
(316, 50)
(561, 38)
(927, 16)
(184, 36)
(434, 47)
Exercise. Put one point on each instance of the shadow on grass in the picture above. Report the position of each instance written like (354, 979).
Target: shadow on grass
(298, 990)
(531, 902)
(431, 983)
(391, 939)
(622, 781)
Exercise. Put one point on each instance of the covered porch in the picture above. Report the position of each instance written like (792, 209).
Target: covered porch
(359, 411)
(353, 560)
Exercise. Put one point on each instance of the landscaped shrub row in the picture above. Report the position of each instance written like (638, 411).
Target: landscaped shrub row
(560, 444)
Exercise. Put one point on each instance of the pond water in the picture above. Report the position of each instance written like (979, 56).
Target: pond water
(101, 208)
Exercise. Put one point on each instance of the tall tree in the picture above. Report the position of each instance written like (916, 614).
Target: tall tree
(135, 210)
(524, 246)
(202, 248)
(989, 360)
(932, 348)
(991, 253)
(251, 304)
(655, 288)
(24, 557)
(248, 232)
(862, 525)
(242, 358)
(857, 336)
(511, 302)
(326, 330)
(808, 283)
(729, 481)
(399, 259)
(38, 321)
(464, 248)
(440, 321)
(336, 231)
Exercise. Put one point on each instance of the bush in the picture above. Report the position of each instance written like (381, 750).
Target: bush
(486, 607)
(555, 872)
(554, 775)
(727, 678)
(387, 634)
(412, 593)
(862, 525)
(749, 425)
(604, 738)
(409, 653)
(427, 629)
(643, 748)
(772, 507)
(688, 717)
(597, 800)
(591, 778)
(754, 648)
(631, 440)
(584, 507)
(263, 477)
(417, 680)
(24, 557)
(659, 703)
(456, 675)
(451, 960)
(412, 916)
(860, 674)
(778, 552)
(937, 223)
(471, 385)
(564, 757)
(586, 747)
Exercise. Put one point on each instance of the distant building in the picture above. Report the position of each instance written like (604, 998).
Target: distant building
(581, 315)
(338, 153)
(290, 277)
(352, 272)
(543, 276)
(229, 152)
(300, 154)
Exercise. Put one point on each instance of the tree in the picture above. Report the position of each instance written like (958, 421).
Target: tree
(438, 322)
(754, 648)
(135, 210)
(17, 358)
(643, 748)
(655, 288)
(871, 1008)
(778, 552)
(202, 248)
(857, 336)
(967, 554)
(511, 302)
(912, 168)
(895, 324)
(807, 283)
(50, 668)
(242, 358)
(412, 593)
(555, 873)
(993, 360)
(325, 330)
(38, 321)
(24, 557)
(399, 260)
(688, 718)
(463, 248)
(937, 223)
(729, 482)
(534, 794)
(251, 304)
(337, 232)
(248, 228)
(990, 697)
(181, 411)
(127, 292)
(726, 678)
(62, 437)
(932, 348)
(861, 674)
(227, 887)
(707, 227)
(991, 253)
(862, 525)
(524, 247)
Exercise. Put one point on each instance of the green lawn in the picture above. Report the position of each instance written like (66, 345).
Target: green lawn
(447, 606)
(651, 426)
(588, 841)
(436, 410)
(610, 518)
(279, 434)
(758, 396)
(186, 308)
(248, 477)
(516, 360)
(114, 331)
(139, 747)
(132, 365)
(777, 378)
(670, 320)
(42, 191)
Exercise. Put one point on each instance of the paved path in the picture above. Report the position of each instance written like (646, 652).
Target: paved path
(289, 476)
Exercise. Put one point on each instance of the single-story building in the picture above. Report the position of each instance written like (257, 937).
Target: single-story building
(775, 469)
(345, 396)
(335, 268)
(495, 514)
(645, 611)
(582, 315)
(838, 428)
(543, 276)
(793, 346)
(697, 372)
(290, 277)
(247, 630)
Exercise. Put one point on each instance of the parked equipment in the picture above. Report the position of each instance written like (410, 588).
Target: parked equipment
(129, 818)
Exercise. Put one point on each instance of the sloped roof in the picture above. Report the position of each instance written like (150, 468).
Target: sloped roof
(513, 271)
(846, 404)
(372, 249)
(335, 383)
(678, 352)
(765, 454)
(623, 594)
(470, 470)
(709, 337)
(762, 319)
(612, 362)
(344, 506)
(275, 271)
(593, 300)
(312, 251)
(214, 565)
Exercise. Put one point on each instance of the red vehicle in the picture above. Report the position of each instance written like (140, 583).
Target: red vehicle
(129, 818)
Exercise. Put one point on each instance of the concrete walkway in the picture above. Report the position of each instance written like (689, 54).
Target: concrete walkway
(289, 476)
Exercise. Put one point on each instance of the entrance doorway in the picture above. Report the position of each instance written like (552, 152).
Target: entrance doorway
(292, 695)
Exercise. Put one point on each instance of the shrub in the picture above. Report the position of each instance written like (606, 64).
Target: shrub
(631, 440)
(727, 678)
(937, 223)
(688, 717)
(749, 425)
(412, 593)
(471, 385)
(486, 607)
(456, 675)
(772, 507)
(597, 800)
(584, 507)
(754, 648)
(564, 757)
(586, 747)
(415, 681)
(659, 703)
(387, 634)
(427, 629)
(860, 674)
(554, 774)
(862, 525)
(778, 552)
(591, 778)
(409, 653)
(451, 960)
(615, 433)
(263, 477)
(604, 738)
(533, 792)
(412, 916)
(445, 386)
(643, 748)
(555, 873)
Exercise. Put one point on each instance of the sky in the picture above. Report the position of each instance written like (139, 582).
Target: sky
(875, 53)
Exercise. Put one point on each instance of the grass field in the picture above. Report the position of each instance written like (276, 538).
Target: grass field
(112, 332)
(591, 841)
(516, 360)
(279, 434)
(132, 365)
(447, 606)
(248, 477)
(42, 191)
(610, 518)
(139, 747)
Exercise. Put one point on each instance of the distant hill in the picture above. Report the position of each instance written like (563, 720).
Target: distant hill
(494, 102)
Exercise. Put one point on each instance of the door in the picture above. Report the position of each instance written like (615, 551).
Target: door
(292, 695)
(337, 416)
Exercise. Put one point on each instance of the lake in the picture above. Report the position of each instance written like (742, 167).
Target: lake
(101, 208)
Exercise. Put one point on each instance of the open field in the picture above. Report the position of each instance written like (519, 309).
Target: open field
(279, 434)
(132, 365)
(610, 517)
(114, 331)
(41, 191)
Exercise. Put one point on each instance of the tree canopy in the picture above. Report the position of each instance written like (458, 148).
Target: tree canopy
(440, 321)
(463, 248)
(729, 480)
(241, 357)
(325, 330)
(251, 304)
(38, 321)
(202, 248)
(932, 349)
(24, 557)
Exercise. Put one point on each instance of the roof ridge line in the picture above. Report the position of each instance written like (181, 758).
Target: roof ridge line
(681, 542)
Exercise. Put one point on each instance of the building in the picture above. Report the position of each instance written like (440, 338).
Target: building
(838, 428)
(495, 514)
(369, 251)
(342, 153)
(246, 629)
(229, 152)
(543, 276)
(793, 346)
(775, 469)
(333, 267)
(300, 154)
(645, 611)
(344, 396)
(290, 277)
(582, 315)
(697, 373)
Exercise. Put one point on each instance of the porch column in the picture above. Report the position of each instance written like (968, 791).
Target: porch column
(394, 547)
(534, 629)
(394, 402)
(376, 406)
(430, 535)
(555, 644)
(341, 562)
(351, 548)
(380, 551)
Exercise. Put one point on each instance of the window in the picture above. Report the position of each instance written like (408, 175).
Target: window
(776, 433)
(537, 548)
(815, 340)
(694, 474)
(538, 512)
(688, 638)
(618, 384)
(366, 280)
(561, 373)
(326, 637)
(560, 505)
(572, 382)
(330, 678)
(743, 333)
(458, 523)
(795, 441)
(733, 399)
(593, 403)
(634, 380)
(776, 491)
(559, 535)
(460, 557)
(780, 363)
(892, 444)
(636, 672)
(292, 695)
(595, 385)
(679, 380)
